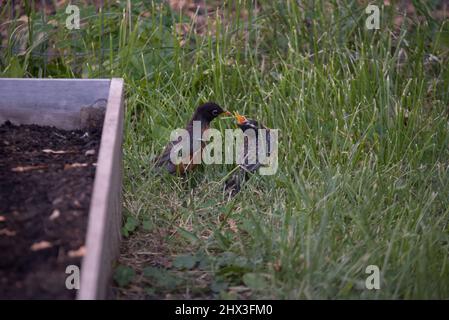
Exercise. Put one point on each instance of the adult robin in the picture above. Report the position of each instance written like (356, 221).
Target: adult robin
(249, 157)
(201, 119)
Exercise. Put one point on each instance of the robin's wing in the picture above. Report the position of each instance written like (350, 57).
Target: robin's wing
(252, 162)
(250, 157)
(163, 160)
(266, 149)
(165, 155)
(187, 163)
(251, 168)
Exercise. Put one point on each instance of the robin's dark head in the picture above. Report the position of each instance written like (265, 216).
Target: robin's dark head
(209, 111)
(244, 123)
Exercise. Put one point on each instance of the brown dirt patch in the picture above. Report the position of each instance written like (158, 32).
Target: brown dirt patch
(46, 180)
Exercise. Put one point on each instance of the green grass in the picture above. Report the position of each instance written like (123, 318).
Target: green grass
(363, 173)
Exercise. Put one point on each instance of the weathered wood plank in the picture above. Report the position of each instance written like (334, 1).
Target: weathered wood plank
(103, 234)
(52, 102)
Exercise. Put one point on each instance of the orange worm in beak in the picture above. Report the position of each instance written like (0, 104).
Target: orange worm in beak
(240, 118)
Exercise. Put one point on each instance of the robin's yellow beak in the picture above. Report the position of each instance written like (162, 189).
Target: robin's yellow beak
(240, 118)
(226, 113)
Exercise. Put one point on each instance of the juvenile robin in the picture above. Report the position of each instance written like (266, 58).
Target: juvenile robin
(250, 161)
(204, 114)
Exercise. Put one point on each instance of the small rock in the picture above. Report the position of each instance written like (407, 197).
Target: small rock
(40, 245)
(55, 214)
(57, 201)
(75, 165)
(90, 152)
(28, 168)
(77, 204)
(7, 232)
(77, 253)
(55, 151)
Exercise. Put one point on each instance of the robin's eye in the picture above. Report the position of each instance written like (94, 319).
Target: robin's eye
(215, 112)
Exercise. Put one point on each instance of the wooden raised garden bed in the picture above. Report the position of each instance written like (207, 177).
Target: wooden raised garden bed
(60, 154)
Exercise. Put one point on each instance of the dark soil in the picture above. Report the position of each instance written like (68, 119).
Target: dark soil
(46, 180)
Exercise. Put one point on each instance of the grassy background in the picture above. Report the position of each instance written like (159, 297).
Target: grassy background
(363, 159)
